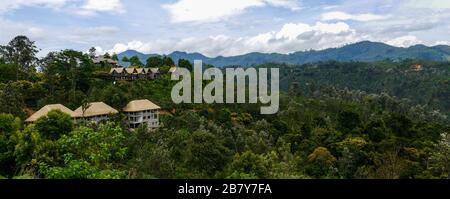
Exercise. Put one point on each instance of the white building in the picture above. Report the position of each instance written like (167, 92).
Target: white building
(96, 112)
(140, 112)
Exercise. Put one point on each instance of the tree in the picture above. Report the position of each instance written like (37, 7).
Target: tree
(21, 52)
(8, 72)
(167, 61)
(107, 56)
(67, 76)
(183, 63)
(54, 124)
(90, 154)
(206, 154)
(115, 57)
(135, 61)
(11, 100)
(320, 163)
(125, 59)
(92, 52)
(348, 121)
(248, 165)
(154, 61)
(440, 159)
(8, 126)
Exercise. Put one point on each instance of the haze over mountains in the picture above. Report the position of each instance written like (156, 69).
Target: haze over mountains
(362, 51)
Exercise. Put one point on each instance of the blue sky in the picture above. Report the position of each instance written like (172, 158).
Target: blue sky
(223, 27)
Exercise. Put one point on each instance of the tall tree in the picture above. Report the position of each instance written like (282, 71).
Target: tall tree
(167, 61)
(155, 61)
(183, 63)
(92, 52)
(115, 57)
(11, 100)
(126, 59)
(21, 51)
(65, 71)
(135, 61)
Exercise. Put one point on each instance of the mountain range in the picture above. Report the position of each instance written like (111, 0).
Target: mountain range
(362, 51)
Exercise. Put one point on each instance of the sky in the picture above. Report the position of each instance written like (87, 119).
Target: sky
(222, 27)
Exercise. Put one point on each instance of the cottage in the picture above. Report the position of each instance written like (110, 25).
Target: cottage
(152, 73)
(117, 73)
(131, 74)
(46, 109)
(95, 112)
(140, 112)
(417, 67)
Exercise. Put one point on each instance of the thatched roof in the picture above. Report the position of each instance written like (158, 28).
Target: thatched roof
(117, 70)
(172, 69)
(130, 70)
(46, 109)
(140, 71)
(95, 109)
(100, 59)
(140, 105)
(136, 70)
(154, 70)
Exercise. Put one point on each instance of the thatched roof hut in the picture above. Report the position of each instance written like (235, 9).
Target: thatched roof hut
(46, 109)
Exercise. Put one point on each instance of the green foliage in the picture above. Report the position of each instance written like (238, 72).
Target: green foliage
(320, 163)
(11, 100)
(20, 52)
(205, 153)
(115, 57)
(154, 62)
(89, 154)
(183, 63)
(135, 61)
(8, 126)
(248, 165)
(54, 124)
(125, 59)
(167, 61)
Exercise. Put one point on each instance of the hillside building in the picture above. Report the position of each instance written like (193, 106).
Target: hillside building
(142, 112)
(95, 112)
(46, 109)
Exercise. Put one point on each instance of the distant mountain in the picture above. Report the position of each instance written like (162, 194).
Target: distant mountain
(361, 51)
(130, 53)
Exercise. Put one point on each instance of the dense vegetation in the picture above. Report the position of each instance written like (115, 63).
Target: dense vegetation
(321, 131)
(420, 82)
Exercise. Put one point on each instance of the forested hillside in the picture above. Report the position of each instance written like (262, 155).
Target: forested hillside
(364, 51)
(420, 82)
(327, 127)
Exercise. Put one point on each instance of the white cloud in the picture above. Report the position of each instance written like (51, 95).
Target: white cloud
(8, 5)
(93, 6)
(210, 11)
(404, 41)
(431, 4)
(87, 35)
(291, 4)
(98, 30)
(441, 43)
(290, 38)
(15, 29)
(330, 16)
(80, 7)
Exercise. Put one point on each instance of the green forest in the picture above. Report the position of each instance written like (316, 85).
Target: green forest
(338, 120)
